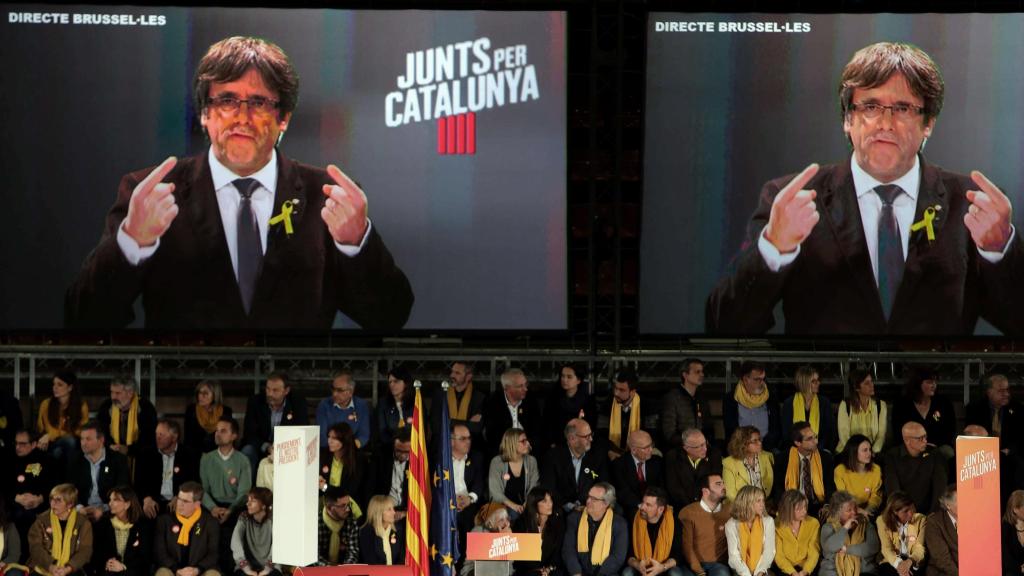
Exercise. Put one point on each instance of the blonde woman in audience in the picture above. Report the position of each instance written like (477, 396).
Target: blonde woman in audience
(202, 415)
(381, 540)
(60, 541)
(797, 536)
(807, 405)
(861, 413)
(860, 476)
(901, 532)
(513, 473)
(61, 416)
(750, 534)
(747, 464)
(849, 542)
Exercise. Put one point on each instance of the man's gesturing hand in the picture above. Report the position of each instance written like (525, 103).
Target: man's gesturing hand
(151, 208)
(989, 216)
(793, 214)
(345, 209)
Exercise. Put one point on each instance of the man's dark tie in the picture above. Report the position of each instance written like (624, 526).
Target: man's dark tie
(250, 250)
(805, 475)
(641, 479)
(890, 248)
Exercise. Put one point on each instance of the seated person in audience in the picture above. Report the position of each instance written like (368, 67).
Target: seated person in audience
(468, 476)
(10, 546)
(344, 406)
(625, 413)
(382, 537)
(859, 475)
(595, 537)
(61, 416)
(861, 412)
(541, 516)
(493, 518)
(60, 543)
(11, 421)
(570, 400)
(655, 539)
(337, 531)
(513, 473)
(513, 408)
(922, 403)
(202, 415)
(747, 464)
(807, 405)
(940, 537)
(1013, 534)
(95, 471)
(1003, 416)
(30, 477)
(915, 469)
(392, 479)
(849, 541)
(749, 405)
(901, 532)
(186, 542)
(684, 406)
(686, 464)
(705, 548)
(226, 482)
(128, 420)
(123, 541)
(394, 411)
(805, 468)
(634, 473)
(465, 402)
(750, 534)
(265, 473)
(162, 469)
(277, 406)
(797, 536)
(572, 468)
(252, 540)
(342, 464)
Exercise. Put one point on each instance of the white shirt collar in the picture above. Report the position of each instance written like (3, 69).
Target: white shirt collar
(704, 505)
(222, 176)
(865, 183)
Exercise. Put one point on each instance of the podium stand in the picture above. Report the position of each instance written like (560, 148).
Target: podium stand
(493, 552)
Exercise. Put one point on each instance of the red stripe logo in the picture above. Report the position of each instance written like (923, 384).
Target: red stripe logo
(457, 134)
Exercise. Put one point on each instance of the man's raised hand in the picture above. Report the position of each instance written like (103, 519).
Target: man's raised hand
(793, 213)
(344, 213)
(151, 208)
(989, 216)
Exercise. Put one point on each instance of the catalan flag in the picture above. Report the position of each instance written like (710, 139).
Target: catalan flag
(417, 550)
(445, 551)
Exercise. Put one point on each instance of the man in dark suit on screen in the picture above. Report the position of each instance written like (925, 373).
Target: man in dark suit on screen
(240, 237)
(884, 243)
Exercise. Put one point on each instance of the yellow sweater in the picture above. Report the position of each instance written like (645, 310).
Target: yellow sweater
(53, 429)
(802, 550)
(866, 487)
(871, 423)
(735, 474)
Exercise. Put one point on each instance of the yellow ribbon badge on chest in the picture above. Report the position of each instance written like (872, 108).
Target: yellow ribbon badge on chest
(927, 222)
(286, 216)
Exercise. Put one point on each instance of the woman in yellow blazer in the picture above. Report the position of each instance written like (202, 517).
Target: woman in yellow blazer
(747, 464)
(860, 476)
(797, 537)
(901, 531)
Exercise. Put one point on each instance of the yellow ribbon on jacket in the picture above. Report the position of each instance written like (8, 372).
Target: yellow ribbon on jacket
(814, 419)
(750, 401)
(926, 222)
(459, 410)
(642, 538)
(602, 540)
(615, 421)
(751, 542)
(186, 525)
(849, 564)
(817, 476)
(285, 216)
(60, 549)
(133, 422)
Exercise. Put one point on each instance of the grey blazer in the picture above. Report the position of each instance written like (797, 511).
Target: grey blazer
(498, 470)
(832, 540)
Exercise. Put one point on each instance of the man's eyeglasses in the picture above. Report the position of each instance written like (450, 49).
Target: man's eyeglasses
(585, 436)
(341, 390)
(231, 104)
(872, 111)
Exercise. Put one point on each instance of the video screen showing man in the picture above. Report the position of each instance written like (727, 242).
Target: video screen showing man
(884, 242)
(241, 236)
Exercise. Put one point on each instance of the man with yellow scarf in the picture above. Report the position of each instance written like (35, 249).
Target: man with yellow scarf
(595, 538)
(128, 420)
(806, 468)
(60, 542)
(185, 543)
(656, 538)
(749, 405)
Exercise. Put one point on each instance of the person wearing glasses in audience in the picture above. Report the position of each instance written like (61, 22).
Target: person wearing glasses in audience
(884, 242)
(338, 531)
(805, 468)
(637, 471)
(914, 467)
(747, 464)
(684, 466)
(749, 405)
(344, 406)
(596, 538)
(240, 236)
(60, 543)
(202, 415)
(572, 468)
(186, 541)
(513, 473)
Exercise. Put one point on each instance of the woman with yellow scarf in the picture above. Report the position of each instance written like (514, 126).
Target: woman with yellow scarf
(747, 464)
(807, 405)
(750, 534)
(60, 541)
(381, 539)
(797, 544)
(849, 542)
(202, 415)
(901, 532)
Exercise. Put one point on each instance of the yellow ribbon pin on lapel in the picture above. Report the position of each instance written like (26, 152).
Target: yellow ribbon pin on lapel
(286, 216)
(926, 223)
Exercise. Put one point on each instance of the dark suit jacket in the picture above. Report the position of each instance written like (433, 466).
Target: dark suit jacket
(497, 420)
(196, 436)
(939, 424)
(579, 562)
(476, 406)
(559, 476)
(922, 478)
(1013, 552)
(476, 474)
(113, 472)
(831, 288)
(138, 553)
(940, 540)
(202, 543)
(257, 417)
(627, 485)
(146, 424)
(190, 284)
(149, 468)
(979, 412)
(681, 478)
(354, 479)
(371, 547)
